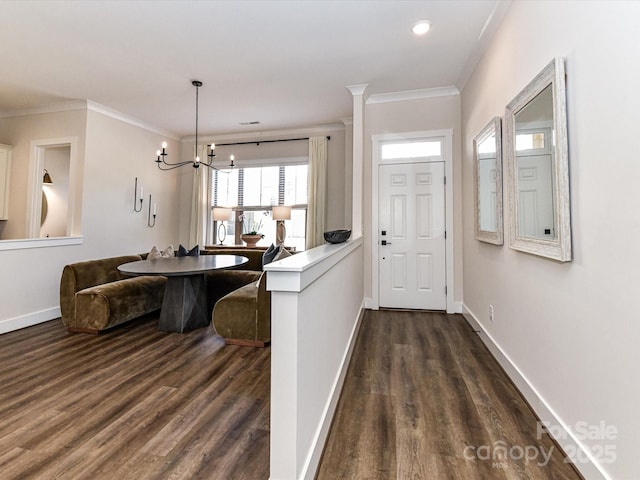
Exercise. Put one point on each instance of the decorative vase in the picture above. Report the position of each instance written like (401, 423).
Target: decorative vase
(251, 240)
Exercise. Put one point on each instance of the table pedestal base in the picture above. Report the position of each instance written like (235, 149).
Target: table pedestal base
(184, 306)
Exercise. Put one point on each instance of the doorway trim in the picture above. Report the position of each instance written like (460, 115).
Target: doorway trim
(36, 164)
(447, 141)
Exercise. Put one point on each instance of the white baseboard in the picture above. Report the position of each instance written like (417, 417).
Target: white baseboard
(590, 469)
(369, 305)
(458, 307)
(315, 453)
(33, 318)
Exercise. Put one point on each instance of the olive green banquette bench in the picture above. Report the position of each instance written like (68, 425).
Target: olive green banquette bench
(222, 282)
(243, 315)
(234, 300)
(95, 296)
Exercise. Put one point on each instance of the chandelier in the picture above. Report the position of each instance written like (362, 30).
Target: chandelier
(161, 160)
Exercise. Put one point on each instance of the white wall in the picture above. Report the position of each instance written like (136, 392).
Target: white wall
(348, 174)
(337, 191)
(436, 113)
(20, 131)
(569, 328)
(117, 153)
(112, 154)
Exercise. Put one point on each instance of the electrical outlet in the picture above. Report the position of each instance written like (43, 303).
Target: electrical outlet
(491, 312)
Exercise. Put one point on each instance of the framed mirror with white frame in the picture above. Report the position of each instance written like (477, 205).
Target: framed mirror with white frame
(537, 159)
(487, 167)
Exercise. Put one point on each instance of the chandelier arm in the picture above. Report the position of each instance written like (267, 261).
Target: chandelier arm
(170, 166)
(178, 164)
(215, 168)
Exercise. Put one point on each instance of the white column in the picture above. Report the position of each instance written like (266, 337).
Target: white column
(357, 91)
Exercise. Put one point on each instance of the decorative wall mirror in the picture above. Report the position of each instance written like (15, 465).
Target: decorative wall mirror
(487, 167)
(538, 166)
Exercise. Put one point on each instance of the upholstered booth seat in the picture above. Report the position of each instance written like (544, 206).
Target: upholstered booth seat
(243, 317)
(95, 296)
(223, 282)
(110, 304)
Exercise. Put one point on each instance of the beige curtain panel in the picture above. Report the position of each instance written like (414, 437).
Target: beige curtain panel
(317, 195)
(200, 208)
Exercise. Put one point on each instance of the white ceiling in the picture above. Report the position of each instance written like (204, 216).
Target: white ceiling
(283, 63)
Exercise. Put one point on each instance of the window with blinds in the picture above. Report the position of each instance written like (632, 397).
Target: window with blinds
(252, 191)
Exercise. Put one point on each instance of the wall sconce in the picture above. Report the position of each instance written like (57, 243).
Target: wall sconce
(46, 179)
(221, 214)
(137, 197)
(155, 212)
(280, 213)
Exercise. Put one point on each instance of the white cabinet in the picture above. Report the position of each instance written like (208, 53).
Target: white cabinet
(5, 176)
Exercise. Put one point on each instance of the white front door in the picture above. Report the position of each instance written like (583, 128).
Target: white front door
(412, 263)
(535, 197)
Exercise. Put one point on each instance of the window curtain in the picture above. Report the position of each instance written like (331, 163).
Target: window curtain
(200, 204)
(317, 193)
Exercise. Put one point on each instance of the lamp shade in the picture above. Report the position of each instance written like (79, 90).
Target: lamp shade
(221, 214)
(46, 179)
(281, 212)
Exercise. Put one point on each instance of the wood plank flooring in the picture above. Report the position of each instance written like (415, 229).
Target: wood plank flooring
(421, 399)
(136, 403)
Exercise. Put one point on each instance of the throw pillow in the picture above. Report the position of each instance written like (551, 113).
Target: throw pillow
(267, 256)
(154, 253)
(182, 252)
(282, 253)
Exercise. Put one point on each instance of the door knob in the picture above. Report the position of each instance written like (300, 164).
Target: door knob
(384, 242)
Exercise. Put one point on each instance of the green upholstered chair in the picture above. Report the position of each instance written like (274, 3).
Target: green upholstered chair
(243, 317)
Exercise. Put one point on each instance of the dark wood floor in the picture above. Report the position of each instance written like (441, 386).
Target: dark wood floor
(133, 403)
(424, 399)
(140, 404)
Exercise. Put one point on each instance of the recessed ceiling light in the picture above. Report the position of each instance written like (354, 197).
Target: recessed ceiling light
(421, 27)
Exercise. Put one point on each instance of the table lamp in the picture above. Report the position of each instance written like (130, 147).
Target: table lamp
(221, 214)
(280, 213)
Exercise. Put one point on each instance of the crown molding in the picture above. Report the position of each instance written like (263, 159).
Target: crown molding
(72, 105)
(486, 35)
(267, 134)
(110, 112)
(413, 95)
(51, 108)
(357, 89)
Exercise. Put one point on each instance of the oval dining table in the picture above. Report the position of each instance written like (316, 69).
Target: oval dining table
(184, 305)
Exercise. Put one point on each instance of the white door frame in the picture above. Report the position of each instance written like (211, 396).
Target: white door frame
(34, 196)
(447, 141)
